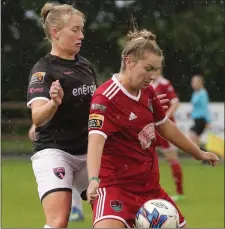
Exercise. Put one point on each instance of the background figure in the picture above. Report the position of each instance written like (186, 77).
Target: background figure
(76, 213)
(200, 112)
(164, 86)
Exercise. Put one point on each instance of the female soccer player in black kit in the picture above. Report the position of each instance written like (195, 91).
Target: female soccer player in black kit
(59, 94)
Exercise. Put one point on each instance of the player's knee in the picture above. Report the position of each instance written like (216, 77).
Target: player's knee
(60, 221)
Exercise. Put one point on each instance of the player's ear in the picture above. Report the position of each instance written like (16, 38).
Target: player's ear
(55, 33)
(129, 62)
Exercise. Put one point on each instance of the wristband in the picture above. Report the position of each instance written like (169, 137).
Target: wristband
(94, 178)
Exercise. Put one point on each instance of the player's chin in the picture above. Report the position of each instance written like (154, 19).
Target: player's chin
(144, 85)
(76, 49)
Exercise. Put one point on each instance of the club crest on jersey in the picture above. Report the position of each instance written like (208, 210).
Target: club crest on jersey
(96, 121)
(146, 136)
(37, 77)
(150, 105)
(59, 172)
(116, 205)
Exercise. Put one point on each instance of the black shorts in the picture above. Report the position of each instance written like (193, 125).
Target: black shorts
(199, 126)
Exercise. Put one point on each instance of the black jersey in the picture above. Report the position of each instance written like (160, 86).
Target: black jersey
(68, 129)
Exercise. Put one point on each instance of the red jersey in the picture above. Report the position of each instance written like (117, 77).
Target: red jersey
(128, 123)
(163, 86)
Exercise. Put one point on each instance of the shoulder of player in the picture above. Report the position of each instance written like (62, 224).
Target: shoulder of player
(42, 65)
(105, 90)
(203, 92)
(41, 71)
(85, 61)
(149, 89)
(163, 81)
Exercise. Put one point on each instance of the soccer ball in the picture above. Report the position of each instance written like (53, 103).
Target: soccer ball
(157, 213)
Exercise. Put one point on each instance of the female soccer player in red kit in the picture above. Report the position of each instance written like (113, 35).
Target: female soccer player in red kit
(164, 86)
(125, 112)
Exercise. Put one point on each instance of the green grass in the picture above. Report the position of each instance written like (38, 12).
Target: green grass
(17, 146)
(202, 207)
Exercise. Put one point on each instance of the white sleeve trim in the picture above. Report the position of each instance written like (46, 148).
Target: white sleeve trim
(36, 98)
(174, 100)
(98, 132)
(161, 122)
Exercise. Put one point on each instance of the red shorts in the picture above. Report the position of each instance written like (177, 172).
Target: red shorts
(116, 203)
(163, 144)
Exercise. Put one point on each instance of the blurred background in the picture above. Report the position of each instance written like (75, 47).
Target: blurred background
(192, 36)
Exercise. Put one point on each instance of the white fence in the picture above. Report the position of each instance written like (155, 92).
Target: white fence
(217, 114)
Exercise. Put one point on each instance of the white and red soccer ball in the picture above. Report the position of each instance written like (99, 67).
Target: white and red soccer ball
(157, 213)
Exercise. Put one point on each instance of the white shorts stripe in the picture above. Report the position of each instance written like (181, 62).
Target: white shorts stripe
(96, 214)
(100, 203)
(103, 202)
(182, 224)
(109, 88)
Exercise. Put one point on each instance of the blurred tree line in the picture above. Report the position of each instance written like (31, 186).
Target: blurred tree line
(191, 33)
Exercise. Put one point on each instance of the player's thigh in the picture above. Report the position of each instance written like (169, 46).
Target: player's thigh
(163, 195)
(57, 206)
(54, 178)
(115, 204)
(110, 223)
(80, 179)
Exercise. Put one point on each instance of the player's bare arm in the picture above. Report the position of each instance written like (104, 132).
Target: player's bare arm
(96, 144)
(172, 133)
(43, 111)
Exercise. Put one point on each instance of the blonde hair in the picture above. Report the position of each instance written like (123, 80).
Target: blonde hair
(139, 42)
(55, 14)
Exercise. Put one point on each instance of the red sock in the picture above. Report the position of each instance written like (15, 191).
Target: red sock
(177, 175)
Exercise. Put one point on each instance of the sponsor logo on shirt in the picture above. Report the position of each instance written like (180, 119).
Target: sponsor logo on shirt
(34, 90)
(100, 107)
(95, 121)
(37, 77)
(84, 90)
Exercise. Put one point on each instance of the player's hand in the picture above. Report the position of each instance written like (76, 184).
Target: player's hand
(163, 100)
(31, 133)
(56, 92)
(211, 158)
(92, 191)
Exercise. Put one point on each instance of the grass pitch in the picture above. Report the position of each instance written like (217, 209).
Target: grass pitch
(202, 207)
